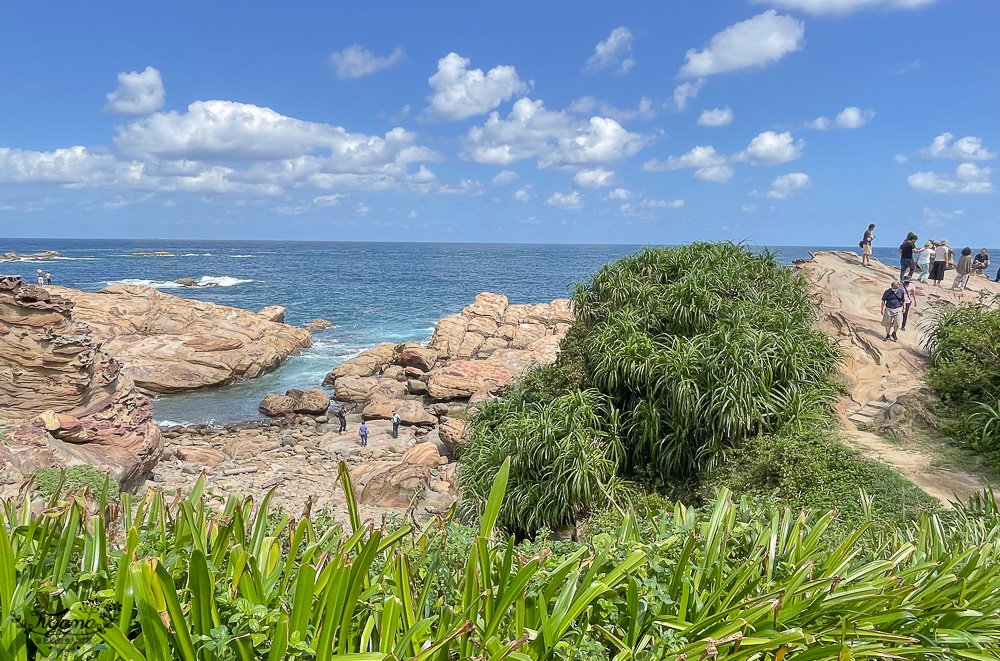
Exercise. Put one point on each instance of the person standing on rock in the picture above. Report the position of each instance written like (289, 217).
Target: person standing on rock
(395, 425)
(925, 259)
(963, 270)
(363, 432)
(342, 417)
(41, 277)
(892, 311)
(48, 278)
(909, 298)
(941, 254)
(866, 245)
(906, 251)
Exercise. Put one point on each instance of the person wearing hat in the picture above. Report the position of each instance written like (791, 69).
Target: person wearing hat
(41, 277)
(909, 298)
(942, 255)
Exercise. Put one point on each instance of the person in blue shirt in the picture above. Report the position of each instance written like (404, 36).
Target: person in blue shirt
(363, 431)
(892, 311)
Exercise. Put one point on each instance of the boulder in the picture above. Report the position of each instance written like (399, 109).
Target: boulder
(200, 455)
(276, 405)
(312, 402)
(186, 282)
(414, 373)
(452, 434)
(460, 379)
(387, 390)
(273, 313)
(168, 344)
(410, 411)
(525, 334)
(294, 393)
(416, 387)
(484, 394)
(419, 357)
(485, 326)
(490, 345)
(448, 335)
(422, 454)
(396, 486)
(470, 345)
(354, 388)
(361, 365)
(319, 324)
(242, 447)
(394, 373)
(487, 304)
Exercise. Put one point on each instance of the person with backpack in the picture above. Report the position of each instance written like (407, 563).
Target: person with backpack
(395, 425)
(342, 418)
(892, 311)
(866, 246)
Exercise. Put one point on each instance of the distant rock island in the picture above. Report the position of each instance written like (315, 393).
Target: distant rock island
(35, 256)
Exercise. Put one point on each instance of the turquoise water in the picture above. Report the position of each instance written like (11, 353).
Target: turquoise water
(370, 292)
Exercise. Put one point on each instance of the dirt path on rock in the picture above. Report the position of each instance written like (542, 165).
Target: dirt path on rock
(878, 372)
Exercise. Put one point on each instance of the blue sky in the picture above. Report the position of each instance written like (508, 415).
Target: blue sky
(786, 122)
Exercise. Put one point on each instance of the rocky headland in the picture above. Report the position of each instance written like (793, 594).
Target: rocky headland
(168, 344)
(63, 399)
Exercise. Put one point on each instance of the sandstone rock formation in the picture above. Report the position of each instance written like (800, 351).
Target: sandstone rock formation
(168, 344)
(64, 400)
(319, 324)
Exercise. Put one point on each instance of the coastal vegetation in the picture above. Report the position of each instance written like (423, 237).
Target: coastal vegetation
(964, 343)
(157, 580)
(692, 368)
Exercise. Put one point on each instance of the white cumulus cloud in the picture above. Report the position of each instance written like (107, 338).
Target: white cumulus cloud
(597, 178)
(505, 177)
(969, 179)
(357, 61)
(718, 174)
(755, 42)
(620, 194)
(566, 201)
(614, 52)
(786, 184)
(460, 92)
(851, 117)
(968, 148)
(524, 194)
(555, 138)
(716, 117)
(685, 92)
(820, 7)
(698, 157)
(138, 93)
(770, 148)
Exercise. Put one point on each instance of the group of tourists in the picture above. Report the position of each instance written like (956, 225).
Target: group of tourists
(363, 429)
(926, 263)
(44, 278)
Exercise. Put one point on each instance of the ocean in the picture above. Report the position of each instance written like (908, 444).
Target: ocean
(370, 292)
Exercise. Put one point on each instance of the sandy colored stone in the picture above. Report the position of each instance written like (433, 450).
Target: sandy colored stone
(490, 345)
(312, 402)
(487, 304)
(354, 388)
(419, 357)
(527, 333)
(410, 411)
(452, 434)
(484, 394)
(273, 313)
(470, 345)
(169, 344)
(485, 326)
(246, 448)
(422, 454)
(387, 390)
(448, 335)
(396, 486)
(201, 455)
(274, 405)
(461, 378)
(394, 373)
(319, 324)
(416, 387)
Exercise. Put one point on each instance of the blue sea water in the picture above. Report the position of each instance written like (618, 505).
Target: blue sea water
(370, 292)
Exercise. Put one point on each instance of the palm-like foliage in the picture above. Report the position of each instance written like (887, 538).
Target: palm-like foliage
(701, 347)
(564, 457)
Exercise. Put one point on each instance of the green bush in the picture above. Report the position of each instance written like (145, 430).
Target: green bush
(814, 470)
(702, 347)
(76, 478)
(564, 457)
(964, 342)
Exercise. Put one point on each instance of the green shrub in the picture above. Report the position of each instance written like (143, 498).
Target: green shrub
(964, 341)
(76, 477)
(702, 347)
(564, 456)
(814, 470)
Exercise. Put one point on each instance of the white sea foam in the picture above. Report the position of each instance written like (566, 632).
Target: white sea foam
(203, 281)
(240, 256)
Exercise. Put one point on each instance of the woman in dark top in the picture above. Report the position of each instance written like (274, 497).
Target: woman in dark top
(906, 263)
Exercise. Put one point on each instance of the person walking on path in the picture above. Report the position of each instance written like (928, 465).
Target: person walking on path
(925, 259)
(892, 311)
(41, 277)
(981, 262)
(941, 254)
(342, 418)
(363, 432)
(909, 299)
(395, 425)
(963, 270)
(866, 245)
(906, 251)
